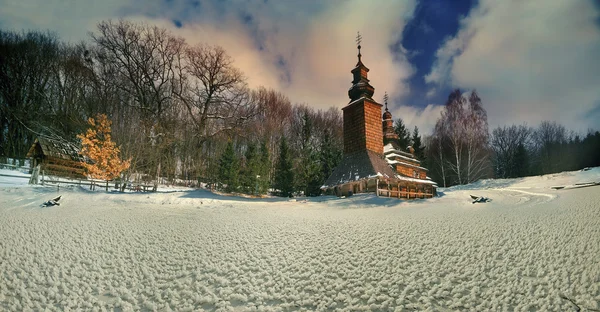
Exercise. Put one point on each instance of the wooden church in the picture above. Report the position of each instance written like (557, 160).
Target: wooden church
(368, 165)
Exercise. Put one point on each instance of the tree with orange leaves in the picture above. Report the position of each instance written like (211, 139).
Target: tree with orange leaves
(102, 153)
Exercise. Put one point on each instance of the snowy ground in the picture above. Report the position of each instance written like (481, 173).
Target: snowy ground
(192, 250)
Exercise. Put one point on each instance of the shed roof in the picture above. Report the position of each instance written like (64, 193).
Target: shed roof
(55, 148)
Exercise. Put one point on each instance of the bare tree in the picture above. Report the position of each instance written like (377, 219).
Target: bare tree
(507, 143)
(549, 139)
(26, 60)
(142, 58)
(454, 129)
(213, 91)
(435, 150)
(459, 143)
(476, 139)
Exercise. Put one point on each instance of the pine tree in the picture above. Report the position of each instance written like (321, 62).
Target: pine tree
(308, 167)
(284, 174)
(330, 156)
(417, 145)
(265, 165)
(251, 169)
(229, 168)
(521, 162)
(403, 134)
(101, 151)
(314, 179)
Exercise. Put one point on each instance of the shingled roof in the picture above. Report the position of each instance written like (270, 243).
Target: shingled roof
(358, 166)
(54, 148)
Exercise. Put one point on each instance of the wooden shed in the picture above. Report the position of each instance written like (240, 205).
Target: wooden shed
(58, 158)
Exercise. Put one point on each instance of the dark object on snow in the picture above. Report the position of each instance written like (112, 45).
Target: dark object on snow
(52, 202)
(480, 199)
(576, 185)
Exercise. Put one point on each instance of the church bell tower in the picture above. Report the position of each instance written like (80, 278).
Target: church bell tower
(362, 115)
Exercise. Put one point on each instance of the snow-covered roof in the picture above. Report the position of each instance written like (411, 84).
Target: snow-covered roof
(389, 148)
(361, 98)
(392, 154)
(409, 165)
(403, 178)
(54, 148)
(358, 166)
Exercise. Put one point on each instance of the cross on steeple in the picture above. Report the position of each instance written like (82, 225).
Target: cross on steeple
(358, 42)
(360, 82)
(385, 100)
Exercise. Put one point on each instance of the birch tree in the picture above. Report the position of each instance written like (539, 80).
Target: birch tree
(454, 129)
(476, 139)
(460, 139)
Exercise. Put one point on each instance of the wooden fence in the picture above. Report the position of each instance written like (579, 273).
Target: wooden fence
(91, 183)
(396, 191)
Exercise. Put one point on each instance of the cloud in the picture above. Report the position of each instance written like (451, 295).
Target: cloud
(304, 49)
(529, 60)
(425, 118)
(71, 20)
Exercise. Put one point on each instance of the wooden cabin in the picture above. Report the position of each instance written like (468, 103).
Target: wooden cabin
(59, 158)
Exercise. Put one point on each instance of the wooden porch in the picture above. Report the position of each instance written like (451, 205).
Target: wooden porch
(403, 189)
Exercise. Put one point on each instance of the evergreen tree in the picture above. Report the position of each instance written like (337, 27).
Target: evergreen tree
(284, 174)
(417, 145)
(308, 167)
(229, 168)
(97, 146)
(265, 165)
(403, 134)
(330, 156)
(251, 169)
(313, 177)
(521, 162)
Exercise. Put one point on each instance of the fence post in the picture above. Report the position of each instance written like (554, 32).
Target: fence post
(43, 174)
(389, 191)
(377, 187)
(107, 185)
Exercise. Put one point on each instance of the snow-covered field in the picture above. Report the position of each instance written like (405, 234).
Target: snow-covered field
(189, 250)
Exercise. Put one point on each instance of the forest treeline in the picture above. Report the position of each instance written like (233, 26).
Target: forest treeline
(185, 112)
(462, 149)
(175, 108)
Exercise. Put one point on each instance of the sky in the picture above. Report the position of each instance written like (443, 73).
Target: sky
(529, 60)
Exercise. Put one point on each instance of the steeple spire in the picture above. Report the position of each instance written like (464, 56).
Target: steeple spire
(360, 82)
(385, 99)
(389, 135)
(358, 41)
